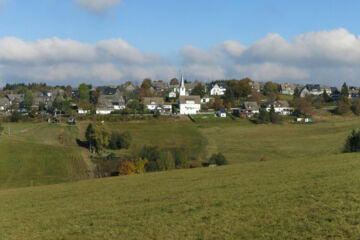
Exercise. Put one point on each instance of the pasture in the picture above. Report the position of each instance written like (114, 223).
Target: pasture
(307, 189)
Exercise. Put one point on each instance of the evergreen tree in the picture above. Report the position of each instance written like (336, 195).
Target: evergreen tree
(296, 93)
(326, 96)
(345, 91)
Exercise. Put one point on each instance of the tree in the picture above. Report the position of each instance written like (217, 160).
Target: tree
(302, 107)
(326, 96)
(84, 92)
(264, 116)
(218, 103)
(174, 81)
(126, 168)
(120, 140)
(274, 117)
(296, 93)
(355, 107)
(1, 129)
(218, 159)
(271, 89)
(97, 137)
(352, 143)
(181, 158)
(198, 90)
(229, 96)
(166, 161)
(28, 100)
(344, 91)
(140, 164)
(15, 116)
(146, 83)
(255, 97)
(342, 108)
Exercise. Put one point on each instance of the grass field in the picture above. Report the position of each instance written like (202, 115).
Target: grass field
(37, 154)
(307, 189)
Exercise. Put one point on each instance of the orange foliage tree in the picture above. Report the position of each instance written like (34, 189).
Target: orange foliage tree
(126, 168)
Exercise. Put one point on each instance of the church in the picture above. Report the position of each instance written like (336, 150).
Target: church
(187, 104)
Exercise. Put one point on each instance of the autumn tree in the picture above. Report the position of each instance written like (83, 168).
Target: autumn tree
(302, 107)
(271, 90)
(174, 81)
(342, 107)
(126, 168)
(140, 165)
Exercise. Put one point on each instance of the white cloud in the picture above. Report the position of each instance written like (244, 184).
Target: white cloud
(98, 5)
(328, 57)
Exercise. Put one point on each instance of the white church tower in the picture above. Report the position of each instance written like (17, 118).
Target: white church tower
(182, 90)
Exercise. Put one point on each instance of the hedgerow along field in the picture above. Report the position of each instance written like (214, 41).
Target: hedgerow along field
(306, 189)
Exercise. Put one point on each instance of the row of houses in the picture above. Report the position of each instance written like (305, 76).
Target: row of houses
(316, 90)
(250, 109)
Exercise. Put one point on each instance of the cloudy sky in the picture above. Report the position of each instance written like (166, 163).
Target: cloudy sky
(112, 41)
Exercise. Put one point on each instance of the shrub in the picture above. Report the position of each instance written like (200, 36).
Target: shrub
(353, 142)
(15, 116)
(196, 164)
(218, 159)
(126, 168)
(120, 140)
(140, 164)
(181, 158)
(264, 159)
(355, 107)
(166, 161)
(97, 137)
(342, 108)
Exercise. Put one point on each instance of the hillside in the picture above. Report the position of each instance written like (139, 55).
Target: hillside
(315, 198)
(306, 189)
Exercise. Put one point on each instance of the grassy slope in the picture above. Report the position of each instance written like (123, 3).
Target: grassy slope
(314, 198)
(37, 154)
(307, 190)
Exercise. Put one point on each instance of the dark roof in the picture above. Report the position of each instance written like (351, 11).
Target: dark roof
(153, 101)
(313, 87)
(250, 106)
(108, 90)
(184, 99)
(222, 110)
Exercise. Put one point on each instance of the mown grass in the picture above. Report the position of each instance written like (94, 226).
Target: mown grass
(39, 153)
(312, 198)
(164, 134)
(307, 189)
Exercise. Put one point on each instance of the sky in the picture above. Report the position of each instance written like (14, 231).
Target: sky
(113, 41)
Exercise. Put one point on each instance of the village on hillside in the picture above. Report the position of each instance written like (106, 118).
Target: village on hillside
(240, 98)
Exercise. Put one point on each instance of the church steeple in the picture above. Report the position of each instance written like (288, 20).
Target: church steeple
(182, 90)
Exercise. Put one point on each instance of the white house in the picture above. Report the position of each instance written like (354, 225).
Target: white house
(157, 104)
(217, 90)
(281, 107)
(189, 104)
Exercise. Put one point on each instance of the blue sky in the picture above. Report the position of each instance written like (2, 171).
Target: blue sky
(168, 35)
(165, 26)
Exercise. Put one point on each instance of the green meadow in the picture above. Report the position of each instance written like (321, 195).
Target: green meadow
(307, 188)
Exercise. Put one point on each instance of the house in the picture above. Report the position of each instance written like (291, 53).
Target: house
(111, 99)
(156, 104)
(281, 107)
(221, 113)
(250, 109)
(4, 104)
(189, 104)
(205, 100)
(172, 94)
(217, 90)
(160, 85)
(256, 86)
(129, 87)
(314, 89)
(287, 88)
